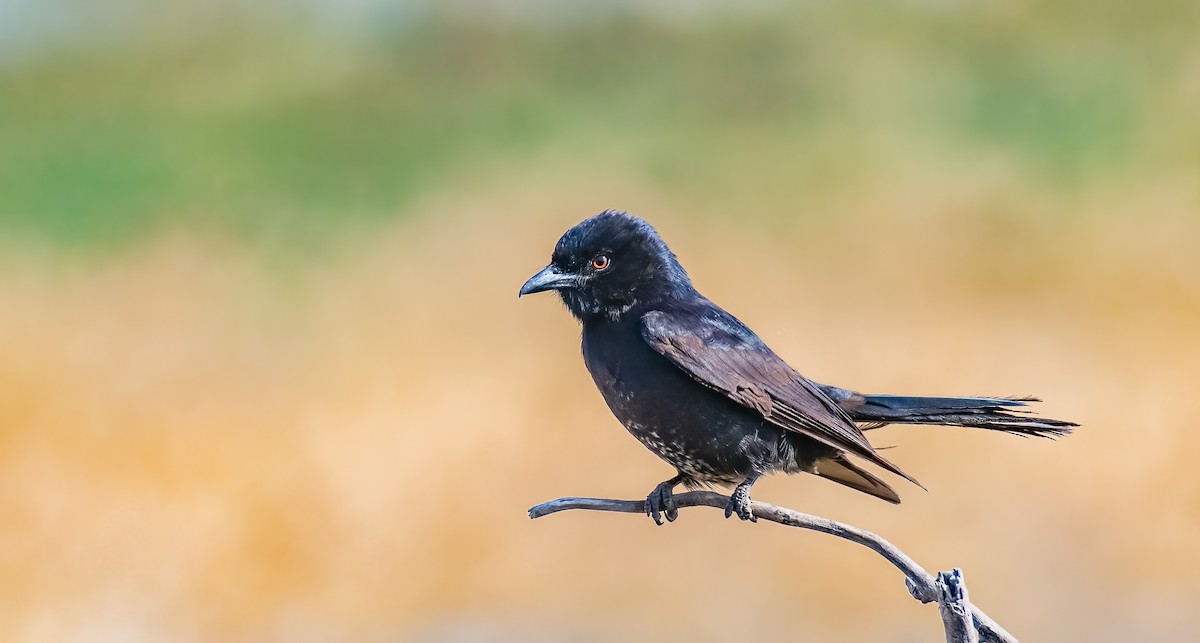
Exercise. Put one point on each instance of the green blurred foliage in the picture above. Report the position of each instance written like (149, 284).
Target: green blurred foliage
(284, 128)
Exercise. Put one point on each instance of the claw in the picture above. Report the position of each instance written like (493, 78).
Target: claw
(652, 509)
(739, 502)
(661, 502)
(670, 509)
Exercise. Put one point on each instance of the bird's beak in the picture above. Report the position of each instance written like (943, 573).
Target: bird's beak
(548, 278)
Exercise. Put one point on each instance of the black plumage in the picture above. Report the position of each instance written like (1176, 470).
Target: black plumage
(705, 394)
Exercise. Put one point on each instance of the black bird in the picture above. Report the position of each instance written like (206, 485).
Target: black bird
(704, 393)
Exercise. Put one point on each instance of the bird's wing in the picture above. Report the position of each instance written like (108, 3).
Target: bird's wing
(718, 351)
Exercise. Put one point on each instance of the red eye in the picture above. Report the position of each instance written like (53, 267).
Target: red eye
(600, 262)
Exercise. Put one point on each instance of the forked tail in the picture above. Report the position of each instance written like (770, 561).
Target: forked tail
(1005, 414)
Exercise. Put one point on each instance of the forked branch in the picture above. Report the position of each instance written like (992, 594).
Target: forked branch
(947, 590)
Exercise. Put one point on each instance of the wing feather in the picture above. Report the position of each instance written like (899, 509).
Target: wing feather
(721, 353)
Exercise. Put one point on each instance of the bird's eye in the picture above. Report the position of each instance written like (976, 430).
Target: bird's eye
(600, 262)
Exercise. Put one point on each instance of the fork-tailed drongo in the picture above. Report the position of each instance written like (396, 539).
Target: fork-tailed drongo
(703, 392)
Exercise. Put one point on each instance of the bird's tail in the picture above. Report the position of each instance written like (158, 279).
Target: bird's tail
(996, 413)
(842, 471)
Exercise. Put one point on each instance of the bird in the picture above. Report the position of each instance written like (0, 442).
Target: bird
(704, 393)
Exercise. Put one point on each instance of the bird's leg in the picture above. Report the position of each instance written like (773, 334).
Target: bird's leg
(662, 500)
(739, 500)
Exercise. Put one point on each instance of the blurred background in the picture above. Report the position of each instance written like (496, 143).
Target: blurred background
(264, 374)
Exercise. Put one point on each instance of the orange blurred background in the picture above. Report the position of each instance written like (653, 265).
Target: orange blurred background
(264, 374)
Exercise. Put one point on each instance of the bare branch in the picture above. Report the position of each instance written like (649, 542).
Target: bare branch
(948, 590)
(955, 608)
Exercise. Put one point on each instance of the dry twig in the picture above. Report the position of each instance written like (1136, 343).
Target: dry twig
(947, 590)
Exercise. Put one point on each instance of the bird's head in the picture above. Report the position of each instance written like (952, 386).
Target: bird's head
(608, 264)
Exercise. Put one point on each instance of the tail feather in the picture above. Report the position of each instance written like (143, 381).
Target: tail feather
(994, 413)
(842, 471)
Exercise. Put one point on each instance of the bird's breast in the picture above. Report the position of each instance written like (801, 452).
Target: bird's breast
(693, 428)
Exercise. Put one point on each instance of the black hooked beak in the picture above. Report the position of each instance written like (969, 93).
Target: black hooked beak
(548, 278)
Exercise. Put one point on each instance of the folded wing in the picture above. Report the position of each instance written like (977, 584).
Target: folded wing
(720, 352)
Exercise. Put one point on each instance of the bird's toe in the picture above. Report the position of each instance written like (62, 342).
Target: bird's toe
(670, 509)
(746, 513)
(740, 504)
(660, 503)
(652, 509)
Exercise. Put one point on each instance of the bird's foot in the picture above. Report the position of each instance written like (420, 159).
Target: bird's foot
(739, 502)
(661, 502)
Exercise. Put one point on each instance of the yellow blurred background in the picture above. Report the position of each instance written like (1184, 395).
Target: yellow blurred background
(264, 374)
